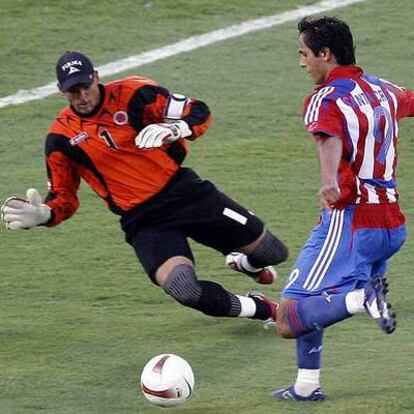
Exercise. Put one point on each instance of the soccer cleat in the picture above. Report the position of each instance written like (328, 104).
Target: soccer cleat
(270, 302)
(266, 275)
(290, 394)
(376, 305)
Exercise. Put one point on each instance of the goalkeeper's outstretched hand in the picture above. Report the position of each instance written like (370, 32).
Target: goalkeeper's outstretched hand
(18, 213)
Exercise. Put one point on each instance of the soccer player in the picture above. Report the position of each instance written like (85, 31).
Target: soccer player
(353, 117)
(127, 139)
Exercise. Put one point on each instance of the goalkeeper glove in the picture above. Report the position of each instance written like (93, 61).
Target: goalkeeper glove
(25, 214)
(156, 135)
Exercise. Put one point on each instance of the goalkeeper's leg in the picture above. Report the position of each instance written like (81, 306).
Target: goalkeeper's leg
(178, 278)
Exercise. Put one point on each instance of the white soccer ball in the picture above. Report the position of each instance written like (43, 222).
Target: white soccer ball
(167, 380)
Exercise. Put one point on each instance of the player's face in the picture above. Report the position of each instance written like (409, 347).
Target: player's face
(84, 98)
(316, 66)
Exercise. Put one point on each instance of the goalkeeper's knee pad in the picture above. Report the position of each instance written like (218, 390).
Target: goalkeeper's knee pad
(270, 251)
(183, 286)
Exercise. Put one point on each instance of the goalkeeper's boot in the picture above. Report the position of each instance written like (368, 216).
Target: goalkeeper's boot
(376, 304)
(290, 394)
(273, 306)
(265, 275)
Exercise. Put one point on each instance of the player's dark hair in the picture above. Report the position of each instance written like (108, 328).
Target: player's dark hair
(329, 32)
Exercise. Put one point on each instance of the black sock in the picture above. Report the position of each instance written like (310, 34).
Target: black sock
(217, 301)
(263, 311)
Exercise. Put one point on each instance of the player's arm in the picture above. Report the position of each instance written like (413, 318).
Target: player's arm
(324, 122)
(329, 154)
(60, 203)
(161, 117)
(63, 179)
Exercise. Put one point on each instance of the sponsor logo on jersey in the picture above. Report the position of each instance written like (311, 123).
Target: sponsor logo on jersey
(120, 118)
(83, 136)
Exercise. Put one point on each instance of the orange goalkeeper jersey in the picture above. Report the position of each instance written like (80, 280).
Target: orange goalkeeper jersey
(100, 147)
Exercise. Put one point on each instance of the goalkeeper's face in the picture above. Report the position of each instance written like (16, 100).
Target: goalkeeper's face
(83, 97)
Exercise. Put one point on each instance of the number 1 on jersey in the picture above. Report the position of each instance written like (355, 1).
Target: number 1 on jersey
(108, 139)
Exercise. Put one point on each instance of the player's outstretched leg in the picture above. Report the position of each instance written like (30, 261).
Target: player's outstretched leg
(377, 305)
(239, 262)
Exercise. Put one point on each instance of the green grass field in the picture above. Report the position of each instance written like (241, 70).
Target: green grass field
(79, 318)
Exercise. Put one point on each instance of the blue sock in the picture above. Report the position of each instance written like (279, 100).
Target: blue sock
(309, 349)
(316, 312)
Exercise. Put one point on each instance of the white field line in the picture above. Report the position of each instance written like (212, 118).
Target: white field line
(185, 45)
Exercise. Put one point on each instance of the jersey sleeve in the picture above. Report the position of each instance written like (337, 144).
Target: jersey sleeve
(63, 180)
(152, 104)
(405, 99)
(321, 115)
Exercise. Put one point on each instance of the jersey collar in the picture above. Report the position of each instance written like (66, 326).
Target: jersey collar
(349, 71)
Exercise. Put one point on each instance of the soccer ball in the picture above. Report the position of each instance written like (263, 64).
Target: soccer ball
(167, 380)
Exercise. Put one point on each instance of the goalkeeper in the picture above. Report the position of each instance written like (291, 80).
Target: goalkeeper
(127, 139)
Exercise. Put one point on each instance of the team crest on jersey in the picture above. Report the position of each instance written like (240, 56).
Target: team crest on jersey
(120, 118)
(83, 136)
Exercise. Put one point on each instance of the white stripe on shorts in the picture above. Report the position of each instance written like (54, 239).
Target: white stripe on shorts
(327, 253)
(235, 215)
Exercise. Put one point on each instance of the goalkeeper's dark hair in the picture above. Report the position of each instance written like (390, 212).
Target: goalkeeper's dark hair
(331, 32)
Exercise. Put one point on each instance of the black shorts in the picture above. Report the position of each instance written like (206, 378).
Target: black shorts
(188, 207)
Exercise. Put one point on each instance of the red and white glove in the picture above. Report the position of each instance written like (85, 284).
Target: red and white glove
(156, 135)
(18, 213)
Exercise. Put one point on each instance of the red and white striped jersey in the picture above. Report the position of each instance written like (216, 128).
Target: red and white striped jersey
(363, 110)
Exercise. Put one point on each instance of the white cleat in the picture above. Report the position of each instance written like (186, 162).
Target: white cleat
(266, 275)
